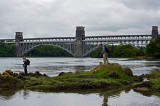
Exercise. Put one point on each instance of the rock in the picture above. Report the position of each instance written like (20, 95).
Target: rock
(21, 74)
(9, 71)
(100, 63)
(37, 73)
(77, 72)
(21, 77)
(113, 74)
(86, 76)
(95, 68)
(45, 75)
(30, 74)
(144, 75)
(7, 75)
(7, 79)
(61, 73)
(128, 71)
(142, 89)
(69, 73)
(147, 84)
(139, 78)
(15, 74)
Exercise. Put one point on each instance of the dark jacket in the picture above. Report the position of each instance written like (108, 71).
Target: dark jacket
(25, 63)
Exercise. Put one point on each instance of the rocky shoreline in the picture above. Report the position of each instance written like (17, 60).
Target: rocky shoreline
(106, 76)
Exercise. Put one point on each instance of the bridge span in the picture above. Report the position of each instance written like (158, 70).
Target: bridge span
(80, 45)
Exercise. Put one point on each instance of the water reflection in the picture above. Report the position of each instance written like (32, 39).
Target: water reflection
(134, 99)
(115, 97)
(25, 94)
(7, 94)
(67, 98)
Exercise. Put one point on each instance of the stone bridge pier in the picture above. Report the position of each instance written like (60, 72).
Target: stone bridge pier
(18, 39)
(154, 32)
(80, 35)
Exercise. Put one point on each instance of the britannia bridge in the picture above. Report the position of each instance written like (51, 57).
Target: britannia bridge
(80, 45)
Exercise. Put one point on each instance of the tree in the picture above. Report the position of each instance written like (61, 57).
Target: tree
(48, 51)
(7, 50)
(153, 48)
(120, 51)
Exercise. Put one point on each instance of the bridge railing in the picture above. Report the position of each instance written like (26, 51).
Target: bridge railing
(119, 37)
(55, 39)
(115, 40)
(8, 41)
(34, 40)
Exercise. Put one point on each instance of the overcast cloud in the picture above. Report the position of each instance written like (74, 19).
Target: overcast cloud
(52, 18)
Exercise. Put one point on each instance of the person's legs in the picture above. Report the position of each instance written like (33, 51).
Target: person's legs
(107, 58)
(104, 58)
(25, 70)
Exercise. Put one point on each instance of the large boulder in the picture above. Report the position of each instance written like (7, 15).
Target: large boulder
(61, 73)
(128, 71)
(37, 73)
(30, 74)
(112, 66)
(9, 71)
(21, 74)
(76, 72)
(7, 75)
(113, 74)
(147, 84)
(8, 80)
(144, 86)
(15, 74)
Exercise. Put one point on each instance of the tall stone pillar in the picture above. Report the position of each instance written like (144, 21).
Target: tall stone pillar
(80, 35)
(154, 32)
(18, 38)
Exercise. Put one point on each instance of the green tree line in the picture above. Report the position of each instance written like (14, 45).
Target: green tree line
(120, 51)
(48, 51)
(153, 48)
(128, 51)
(7, 50)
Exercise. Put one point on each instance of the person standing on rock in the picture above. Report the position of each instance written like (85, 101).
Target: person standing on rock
(26, 62)
(105, 52)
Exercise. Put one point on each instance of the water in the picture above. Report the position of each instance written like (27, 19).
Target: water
(132, 98)
(53, 66)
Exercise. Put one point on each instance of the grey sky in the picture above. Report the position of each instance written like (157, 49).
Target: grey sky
(52, 18)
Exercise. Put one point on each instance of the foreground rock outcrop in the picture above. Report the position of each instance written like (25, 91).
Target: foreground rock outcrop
(153, 83)
(106, 76)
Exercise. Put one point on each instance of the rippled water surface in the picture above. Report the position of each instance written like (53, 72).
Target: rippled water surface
(53, 66)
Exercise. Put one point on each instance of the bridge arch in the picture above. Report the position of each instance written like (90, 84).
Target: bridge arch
(26, 48)
(94, 47)
(90, 51)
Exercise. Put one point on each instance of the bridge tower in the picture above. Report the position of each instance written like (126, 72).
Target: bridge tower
(154, 32)
(80, 35)
(18, 38)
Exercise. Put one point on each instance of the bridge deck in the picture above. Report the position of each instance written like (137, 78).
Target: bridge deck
(106, 38)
